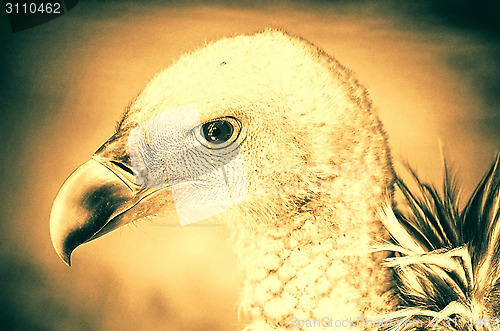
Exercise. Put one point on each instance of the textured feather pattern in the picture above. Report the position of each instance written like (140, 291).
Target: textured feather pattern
(317, 266)
(446, 260)
(303, 234)
(317, 163)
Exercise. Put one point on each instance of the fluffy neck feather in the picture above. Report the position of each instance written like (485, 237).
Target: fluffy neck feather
(317, 264)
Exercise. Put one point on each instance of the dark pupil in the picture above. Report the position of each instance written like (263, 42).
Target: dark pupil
(217, 132)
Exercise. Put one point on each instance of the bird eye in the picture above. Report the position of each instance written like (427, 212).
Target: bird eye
(217, 132)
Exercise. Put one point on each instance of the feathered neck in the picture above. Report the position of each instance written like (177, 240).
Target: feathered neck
(446, 260)
(305, 271)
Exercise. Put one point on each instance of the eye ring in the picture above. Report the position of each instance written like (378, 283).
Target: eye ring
(218, 133)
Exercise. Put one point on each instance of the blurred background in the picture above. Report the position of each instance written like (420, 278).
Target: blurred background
(431, 67)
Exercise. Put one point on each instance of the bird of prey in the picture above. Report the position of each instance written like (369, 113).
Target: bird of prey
(271, 136)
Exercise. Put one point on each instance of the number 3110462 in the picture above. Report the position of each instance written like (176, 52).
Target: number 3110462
(33, 8)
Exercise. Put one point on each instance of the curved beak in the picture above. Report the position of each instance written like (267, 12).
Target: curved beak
(93, 201)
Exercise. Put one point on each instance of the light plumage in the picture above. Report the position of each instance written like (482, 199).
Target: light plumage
(318, 168)
(317, 165)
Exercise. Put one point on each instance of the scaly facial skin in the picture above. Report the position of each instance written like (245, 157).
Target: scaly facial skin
(316, 161)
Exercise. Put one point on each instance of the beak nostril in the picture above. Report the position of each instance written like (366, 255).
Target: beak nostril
(123, 167)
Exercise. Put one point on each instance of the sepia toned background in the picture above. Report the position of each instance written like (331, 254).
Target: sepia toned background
(432, 70)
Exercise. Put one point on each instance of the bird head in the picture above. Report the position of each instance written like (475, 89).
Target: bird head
(244, 130)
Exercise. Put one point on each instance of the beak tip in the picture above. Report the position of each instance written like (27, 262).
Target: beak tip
(87, 206)
(66, 259)
(83, 206)
(64, 253)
